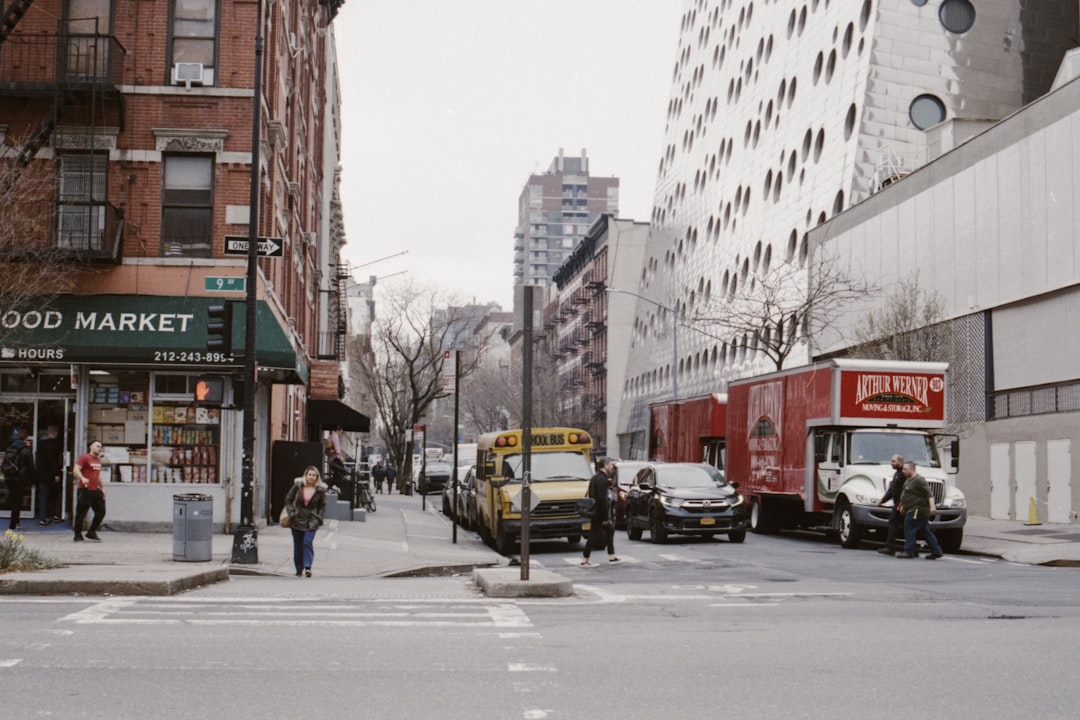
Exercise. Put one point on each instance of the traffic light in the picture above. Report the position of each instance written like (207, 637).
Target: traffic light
(209, 390)
(219, 328)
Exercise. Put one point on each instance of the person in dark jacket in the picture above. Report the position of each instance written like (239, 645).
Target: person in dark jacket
(602, 521)
(16, 479)
(50, 471)
(379, 473)
(896, 517)
(918, 503)
(306, 505)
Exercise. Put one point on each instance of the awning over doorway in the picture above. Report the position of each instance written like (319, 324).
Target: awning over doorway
(329, 414)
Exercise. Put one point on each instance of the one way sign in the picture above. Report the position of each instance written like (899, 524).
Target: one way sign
(268, 246)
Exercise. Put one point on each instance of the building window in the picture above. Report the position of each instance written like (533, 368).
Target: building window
(194, 40)
(81, 201)
(958, 16)
(187, 205)
(926, 111)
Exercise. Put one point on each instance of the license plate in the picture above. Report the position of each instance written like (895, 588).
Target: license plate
(586, 527)
(708, 521)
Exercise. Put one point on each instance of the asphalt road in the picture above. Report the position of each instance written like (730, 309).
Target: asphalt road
(777, 627)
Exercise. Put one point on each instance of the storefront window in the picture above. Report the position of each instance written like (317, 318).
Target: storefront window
(153, 436)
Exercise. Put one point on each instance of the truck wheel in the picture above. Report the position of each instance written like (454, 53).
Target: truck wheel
(632, 531)
(485, 534)
(950, 540)
(504, 544)
(850, 532)
(737, 536)
(656, 529)
(761, 522)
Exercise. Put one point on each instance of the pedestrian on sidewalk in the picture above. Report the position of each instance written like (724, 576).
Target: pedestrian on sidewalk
(917, 501)
(50, 471)
(602, 521)
(306, 505)
(379, 473)
(89, 492)
(18, 468)
(896, 517)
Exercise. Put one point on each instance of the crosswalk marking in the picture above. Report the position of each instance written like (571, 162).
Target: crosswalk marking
(146, 611)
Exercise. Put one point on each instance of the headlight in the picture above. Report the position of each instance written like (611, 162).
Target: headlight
(956, 501)
(670, 501)
(736, 501)
(867, 499)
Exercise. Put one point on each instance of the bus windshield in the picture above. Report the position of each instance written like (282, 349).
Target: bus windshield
(559, 465)
(877, 448)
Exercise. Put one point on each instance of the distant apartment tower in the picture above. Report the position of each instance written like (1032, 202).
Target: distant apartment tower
(783, 115)
(555, 211)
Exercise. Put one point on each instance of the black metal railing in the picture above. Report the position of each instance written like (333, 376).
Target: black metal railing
(1036, 400)
(65, 61)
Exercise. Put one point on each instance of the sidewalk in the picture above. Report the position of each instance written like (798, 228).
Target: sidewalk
(398, 540)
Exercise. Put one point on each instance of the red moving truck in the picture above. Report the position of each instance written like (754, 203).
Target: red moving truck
(690, 430)
(810, 447)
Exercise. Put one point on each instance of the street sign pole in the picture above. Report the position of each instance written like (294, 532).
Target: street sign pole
(246, 539)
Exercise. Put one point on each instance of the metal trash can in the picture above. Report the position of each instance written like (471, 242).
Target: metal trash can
(193, 527)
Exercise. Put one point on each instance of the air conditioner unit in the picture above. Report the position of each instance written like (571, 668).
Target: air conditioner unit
(187, 74)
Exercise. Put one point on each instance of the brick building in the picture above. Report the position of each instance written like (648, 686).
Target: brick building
(141, 114)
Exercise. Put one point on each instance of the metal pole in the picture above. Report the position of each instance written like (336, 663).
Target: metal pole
(674, 357)
(454, 470)
(526, 424)
(246, 539)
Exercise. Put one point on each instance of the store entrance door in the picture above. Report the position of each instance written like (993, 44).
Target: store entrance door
(36, 415)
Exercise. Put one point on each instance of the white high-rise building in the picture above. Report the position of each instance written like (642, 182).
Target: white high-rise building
(782, 115)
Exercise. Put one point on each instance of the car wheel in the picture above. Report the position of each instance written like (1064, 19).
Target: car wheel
(950, 540)
(632, 531)
(737, 536)
(656, 528)
(850, 532)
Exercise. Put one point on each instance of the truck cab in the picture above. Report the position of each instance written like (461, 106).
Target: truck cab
(853, 472)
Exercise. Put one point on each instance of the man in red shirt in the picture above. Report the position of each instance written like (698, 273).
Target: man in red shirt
(90, 492)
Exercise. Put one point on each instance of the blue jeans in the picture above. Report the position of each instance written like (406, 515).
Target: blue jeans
(303, 545)
(917, 522)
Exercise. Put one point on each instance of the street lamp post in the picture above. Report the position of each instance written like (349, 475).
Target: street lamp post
(674, 338)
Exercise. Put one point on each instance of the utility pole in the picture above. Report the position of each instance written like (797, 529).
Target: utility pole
(246, 538)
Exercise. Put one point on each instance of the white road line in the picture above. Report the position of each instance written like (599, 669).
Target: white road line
(10, 663)
(99, 612)
(530, 667)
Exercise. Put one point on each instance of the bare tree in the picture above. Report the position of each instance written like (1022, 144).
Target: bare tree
(408, 348)
(775, 310)
(907, 327)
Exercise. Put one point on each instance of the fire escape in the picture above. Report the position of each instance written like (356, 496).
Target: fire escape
(71, 79)
(337, 314)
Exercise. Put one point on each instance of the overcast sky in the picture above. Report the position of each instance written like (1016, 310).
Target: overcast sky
(448, 107)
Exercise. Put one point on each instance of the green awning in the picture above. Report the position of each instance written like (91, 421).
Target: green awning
(140, 329)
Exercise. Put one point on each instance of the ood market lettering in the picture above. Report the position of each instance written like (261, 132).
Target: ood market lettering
(99, 321)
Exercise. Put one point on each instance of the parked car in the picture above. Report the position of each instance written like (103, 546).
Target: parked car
(625, 470)
(684, 499)
(466, 508)
(433, 477)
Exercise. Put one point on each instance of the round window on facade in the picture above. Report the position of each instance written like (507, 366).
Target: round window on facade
(926, 111)
(957, 15)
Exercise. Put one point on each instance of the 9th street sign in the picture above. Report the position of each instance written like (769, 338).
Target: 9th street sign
(268, 246)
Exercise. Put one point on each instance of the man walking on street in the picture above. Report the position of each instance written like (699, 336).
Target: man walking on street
(89, 492)
(918, 503)
(602, 522)
(896, 517)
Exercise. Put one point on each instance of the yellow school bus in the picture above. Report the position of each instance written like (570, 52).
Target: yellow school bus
(560, 468)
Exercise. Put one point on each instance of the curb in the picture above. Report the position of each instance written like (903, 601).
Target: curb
(157, 587)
